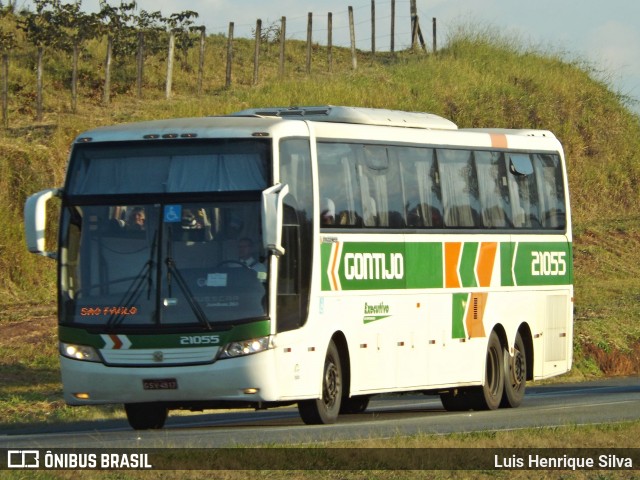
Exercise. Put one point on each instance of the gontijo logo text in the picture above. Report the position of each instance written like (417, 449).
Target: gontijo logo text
(374, 266)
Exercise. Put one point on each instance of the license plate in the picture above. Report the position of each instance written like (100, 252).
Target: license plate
(160, 384)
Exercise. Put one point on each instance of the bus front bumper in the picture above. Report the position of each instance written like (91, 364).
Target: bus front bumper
(248, 379)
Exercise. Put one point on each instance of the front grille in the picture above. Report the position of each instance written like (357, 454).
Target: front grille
(159, 357)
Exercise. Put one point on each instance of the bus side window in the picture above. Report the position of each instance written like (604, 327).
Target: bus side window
(551, 189)
(523, 191)
(493, 189)
(337, 182)
(459, 188)
(421, 186)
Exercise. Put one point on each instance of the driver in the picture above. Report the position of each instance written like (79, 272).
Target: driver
(245, 255)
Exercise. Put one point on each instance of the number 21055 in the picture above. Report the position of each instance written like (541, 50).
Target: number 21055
(548, 263)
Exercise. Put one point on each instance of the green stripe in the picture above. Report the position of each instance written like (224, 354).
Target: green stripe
(371, 265)
(457, 321)
(325, 257)
(468, 263)
(506, 259)
(423, 265)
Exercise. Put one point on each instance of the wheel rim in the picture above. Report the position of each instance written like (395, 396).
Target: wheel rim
(517, 369)
(331, 384)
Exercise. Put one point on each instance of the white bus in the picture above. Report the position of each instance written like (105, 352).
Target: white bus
(315, 255)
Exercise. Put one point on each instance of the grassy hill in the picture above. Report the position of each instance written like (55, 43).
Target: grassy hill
(478, 80)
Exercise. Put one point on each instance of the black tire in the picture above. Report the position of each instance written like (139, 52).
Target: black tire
(146, 416)
(486, 397)
(325, 410)
(490, 394)
(515, 375)
(356, 404)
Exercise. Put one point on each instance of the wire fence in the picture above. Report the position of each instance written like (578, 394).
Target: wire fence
(368, 28)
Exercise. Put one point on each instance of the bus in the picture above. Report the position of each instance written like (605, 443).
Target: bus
(308, 255)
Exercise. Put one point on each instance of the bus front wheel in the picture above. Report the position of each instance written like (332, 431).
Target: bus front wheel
(146, 416)
(326, 409)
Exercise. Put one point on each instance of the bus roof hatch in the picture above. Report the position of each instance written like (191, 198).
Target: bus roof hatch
(356, 115)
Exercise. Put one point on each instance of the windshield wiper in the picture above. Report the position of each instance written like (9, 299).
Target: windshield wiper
(172, 268)
(135, 290)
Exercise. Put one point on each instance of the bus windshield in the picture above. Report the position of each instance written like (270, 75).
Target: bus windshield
(175, 264)
(164, 234)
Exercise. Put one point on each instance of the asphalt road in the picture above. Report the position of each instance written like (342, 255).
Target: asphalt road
(603, 401)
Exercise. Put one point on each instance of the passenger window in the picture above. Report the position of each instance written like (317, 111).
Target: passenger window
(548, 173)
(381, 189)
(338, 185)
(523, 192)
(459, 189)
(421, 182)
(493, 189)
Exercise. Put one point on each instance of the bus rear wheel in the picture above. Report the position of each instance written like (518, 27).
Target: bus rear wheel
(146, 416)
(489, 395)
(326, 409)
(515, 369)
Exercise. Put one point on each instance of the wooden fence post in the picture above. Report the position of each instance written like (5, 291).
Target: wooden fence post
(309, 38)
(170, 55)
(330, 42)
(435, 44)
(5, 90)
(283, 35)
(229, 55)
(74, 76)
(107, 71)
(39, 75)
(256, 53)
(393, 26)
(140, 67)
(373, 28)
(203, 38)
(414, 23)
(352, 34)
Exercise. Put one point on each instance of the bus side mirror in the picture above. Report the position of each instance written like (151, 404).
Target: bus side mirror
(272, 214)
(35, 221)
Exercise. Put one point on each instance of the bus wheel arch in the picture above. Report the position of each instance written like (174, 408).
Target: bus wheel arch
(325, 410)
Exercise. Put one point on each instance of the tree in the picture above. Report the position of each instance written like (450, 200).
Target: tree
(76, 28)
(42, 30)
(118, 24)
(181, 25)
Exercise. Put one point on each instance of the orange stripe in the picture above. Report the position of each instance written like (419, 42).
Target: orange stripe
(451, 256)
(486, 258)
(475, 315)
(117, 343)
(334, 280)
(498, 140)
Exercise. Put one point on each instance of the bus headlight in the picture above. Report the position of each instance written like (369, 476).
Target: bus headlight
(79, 352)
(245, 347)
